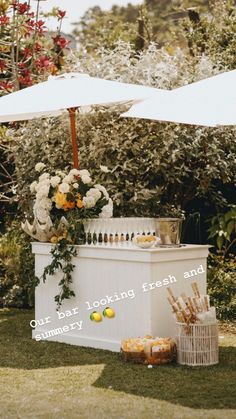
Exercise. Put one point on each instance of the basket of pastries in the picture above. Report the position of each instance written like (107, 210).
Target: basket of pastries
(149, 350)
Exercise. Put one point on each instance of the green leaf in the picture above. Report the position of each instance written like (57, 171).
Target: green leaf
(231, 227)
(219, 242)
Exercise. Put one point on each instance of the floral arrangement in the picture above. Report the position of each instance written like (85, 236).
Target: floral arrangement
(61, 201)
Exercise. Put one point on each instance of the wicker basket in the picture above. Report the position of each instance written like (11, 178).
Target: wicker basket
(163, 355)
(197, 344)
(136, 357)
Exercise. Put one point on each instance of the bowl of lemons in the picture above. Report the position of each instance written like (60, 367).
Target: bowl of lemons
(145, 241)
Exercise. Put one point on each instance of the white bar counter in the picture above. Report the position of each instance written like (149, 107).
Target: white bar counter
(130, 280)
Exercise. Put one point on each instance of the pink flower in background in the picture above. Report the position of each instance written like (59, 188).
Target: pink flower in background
(4, 20)
(25, 79)
(41, 28)
(61, 14)
(22, 8)
(2, 65)
(60, 41)
(43, 62)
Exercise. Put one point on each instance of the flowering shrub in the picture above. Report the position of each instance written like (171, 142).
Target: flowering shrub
(27, 53)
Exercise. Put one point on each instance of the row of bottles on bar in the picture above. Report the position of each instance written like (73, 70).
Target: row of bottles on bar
(109, 238)
(118, 230)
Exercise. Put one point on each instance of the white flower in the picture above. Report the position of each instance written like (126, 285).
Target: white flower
(64, 188)
(42, 191)
(55, 180)
(75, 185)
(43, 183)
(84, 172)
(89, 202)
(107, 210)
(74, 172)
(86, 179)
(33, 186)
(39, 167)
(103, 190)
(44, 176)
(104, 169)
(60, 173)
(68, 179)
(95, 193)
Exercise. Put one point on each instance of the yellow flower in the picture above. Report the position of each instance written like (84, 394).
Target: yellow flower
(54, 239)
(79, 201)
(60, 199)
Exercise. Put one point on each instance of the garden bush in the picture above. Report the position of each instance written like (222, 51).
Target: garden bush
(17, 280)
(222, 285)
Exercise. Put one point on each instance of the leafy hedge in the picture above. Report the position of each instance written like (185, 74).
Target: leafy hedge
(17, 280)
(222, 285)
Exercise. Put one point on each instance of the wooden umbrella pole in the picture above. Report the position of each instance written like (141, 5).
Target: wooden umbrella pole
(72, 113)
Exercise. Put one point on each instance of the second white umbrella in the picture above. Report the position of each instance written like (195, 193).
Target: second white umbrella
(208, 102)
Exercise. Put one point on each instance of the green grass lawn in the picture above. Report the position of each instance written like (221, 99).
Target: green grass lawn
(55, 380)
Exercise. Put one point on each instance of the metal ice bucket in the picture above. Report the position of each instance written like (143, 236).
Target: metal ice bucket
(169, 231)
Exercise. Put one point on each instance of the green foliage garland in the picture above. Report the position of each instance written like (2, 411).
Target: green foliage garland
(62, 255)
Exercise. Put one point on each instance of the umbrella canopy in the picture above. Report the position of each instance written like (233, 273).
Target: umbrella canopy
(208, 102)
(69, 91)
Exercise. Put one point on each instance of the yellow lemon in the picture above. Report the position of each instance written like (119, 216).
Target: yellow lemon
(97, 317)
(109, 312)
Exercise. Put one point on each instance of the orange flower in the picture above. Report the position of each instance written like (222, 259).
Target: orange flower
(68, 205)
(79, 203)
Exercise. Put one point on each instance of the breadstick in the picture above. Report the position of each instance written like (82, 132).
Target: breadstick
(179, 305)
(206, 302)
(175, 309)
(185, 317)
(171, 294)
(190, 305)
(195, 304)
(197, 290)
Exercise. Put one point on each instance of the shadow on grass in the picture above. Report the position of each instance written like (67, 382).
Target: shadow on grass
(207, 388)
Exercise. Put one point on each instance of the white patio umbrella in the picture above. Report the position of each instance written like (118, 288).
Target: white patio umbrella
(208, 102)
(69, 91)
